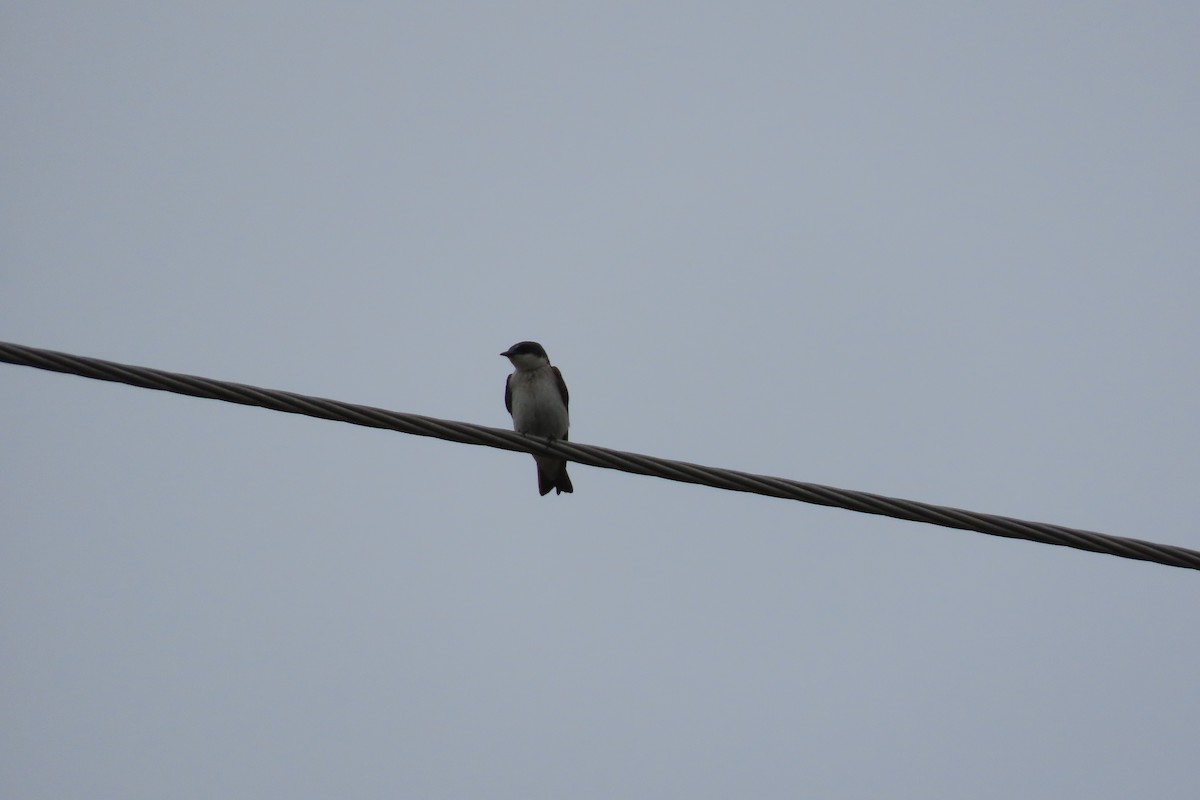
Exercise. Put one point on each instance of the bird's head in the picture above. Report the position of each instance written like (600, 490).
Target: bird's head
(526, 355)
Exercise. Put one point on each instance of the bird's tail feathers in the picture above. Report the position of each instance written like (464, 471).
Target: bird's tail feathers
(554, 476)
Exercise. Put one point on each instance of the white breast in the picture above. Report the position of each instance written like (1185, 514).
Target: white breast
(537, 407)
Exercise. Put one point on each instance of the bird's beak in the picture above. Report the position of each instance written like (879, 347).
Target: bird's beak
(505, 354)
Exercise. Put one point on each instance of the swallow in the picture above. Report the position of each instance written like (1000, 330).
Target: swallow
(536, 397)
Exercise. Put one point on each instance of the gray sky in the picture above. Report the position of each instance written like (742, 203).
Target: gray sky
(932, 250)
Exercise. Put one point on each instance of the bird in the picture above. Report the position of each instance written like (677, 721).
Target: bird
(536, 397)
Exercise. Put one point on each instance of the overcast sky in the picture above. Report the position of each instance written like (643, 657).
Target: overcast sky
(942, 251)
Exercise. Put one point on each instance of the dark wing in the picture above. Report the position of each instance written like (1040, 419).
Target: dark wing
(508, 394)
(562, 387)
(562, 390)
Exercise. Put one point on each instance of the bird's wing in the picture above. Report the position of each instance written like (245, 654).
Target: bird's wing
(562, 390)
(508, 394)
(562, 386)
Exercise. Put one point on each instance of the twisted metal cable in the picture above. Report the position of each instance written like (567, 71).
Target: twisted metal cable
(591, 455)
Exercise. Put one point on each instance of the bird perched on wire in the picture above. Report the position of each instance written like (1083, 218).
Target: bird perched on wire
(536, 397)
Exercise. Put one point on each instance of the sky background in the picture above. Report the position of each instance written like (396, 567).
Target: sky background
(941, 251)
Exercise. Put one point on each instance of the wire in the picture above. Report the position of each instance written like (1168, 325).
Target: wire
(591, 455)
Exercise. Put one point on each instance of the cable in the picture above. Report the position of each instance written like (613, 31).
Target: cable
(591, 455)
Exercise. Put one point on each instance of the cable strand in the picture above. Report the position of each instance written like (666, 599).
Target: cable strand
(591, 455)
